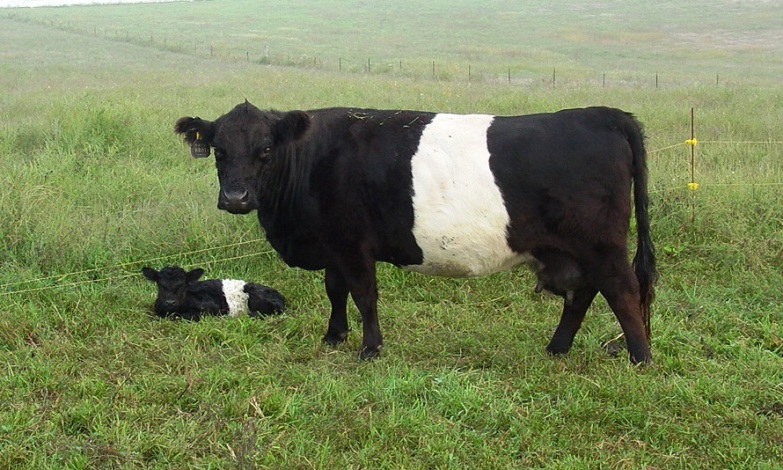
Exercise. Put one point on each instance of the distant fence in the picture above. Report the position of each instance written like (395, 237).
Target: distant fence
(440, 70)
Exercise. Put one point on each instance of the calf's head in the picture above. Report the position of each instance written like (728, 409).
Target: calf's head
(173, 283)
(245, 140)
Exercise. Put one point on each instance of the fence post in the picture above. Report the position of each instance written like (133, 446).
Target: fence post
(693, 185)
(692, 142)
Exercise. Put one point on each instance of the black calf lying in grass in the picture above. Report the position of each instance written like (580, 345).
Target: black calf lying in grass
(182, 295)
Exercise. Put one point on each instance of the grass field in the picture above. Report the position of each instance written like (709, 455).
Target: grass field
(94, 185)
(608, 41)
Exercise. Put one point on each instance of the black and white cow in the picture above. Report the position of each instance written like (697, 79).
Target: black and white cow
(182, 295)
(453, 195)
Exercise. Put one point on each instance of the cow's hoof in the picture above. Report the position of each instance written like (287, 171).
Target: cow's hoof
(637, 353)
(335, 339)
(555, 348)
(368, 353)
(641, 360)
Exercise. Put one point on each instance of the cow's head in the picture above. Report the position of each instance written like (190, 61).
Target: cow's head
(173, 283)
(245, 140)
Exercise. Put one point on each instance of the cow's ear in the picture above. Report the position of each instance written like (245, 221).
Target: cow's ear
(196, 132)
(194, 275)
(150, 274)
(291, 126)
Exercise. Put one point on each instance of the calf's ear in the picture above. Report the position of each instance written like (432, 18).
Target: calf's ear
(194, 275)
(150, 274)
(196, 132)
(291, 126)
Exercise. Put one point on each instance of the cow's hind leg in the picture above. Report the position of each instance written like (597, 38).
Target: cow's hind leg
(570, 321)
(337, 291)
(621, 290)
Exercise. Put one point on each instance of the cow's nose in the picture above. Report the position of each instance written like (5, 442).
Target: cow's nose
(236, 202)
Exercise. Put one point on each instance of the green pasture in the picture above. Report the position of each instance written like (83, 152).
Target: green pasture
(597, 42)
(94, 185)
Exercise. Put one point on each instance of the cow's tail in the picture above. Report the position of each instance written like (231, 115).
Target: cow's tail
(644, 260)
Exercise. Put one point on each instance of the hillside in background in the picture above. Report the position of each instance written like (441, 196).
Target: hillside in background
(628, 41)
(60, 3)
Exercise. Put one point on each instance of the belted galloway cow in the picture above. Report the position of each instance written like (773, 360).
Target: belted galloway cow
(340, 189)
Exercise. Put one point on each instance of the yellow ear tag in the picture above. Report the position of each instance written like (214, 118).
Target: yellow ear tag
(199, 148)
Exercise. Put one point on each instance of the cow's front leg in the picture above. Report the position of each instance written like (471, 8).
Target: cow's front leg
(337, 291)
(372, 341)
(360, 278)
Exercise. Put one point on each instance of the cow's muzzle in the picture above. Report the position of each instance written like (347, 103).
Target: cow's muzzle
(236, 202)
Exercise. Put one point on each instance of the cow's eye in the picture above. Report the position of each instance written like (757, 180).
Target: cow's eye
(266, 147)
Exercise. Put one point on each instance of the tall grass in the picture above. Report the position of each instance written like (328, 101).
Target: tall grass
(94, 185)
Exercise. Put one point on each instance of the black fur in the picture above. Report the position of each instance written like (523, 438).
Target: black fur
(333, 190)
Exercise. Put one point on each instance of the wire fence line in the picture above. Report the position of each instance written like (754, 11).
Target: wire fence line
(521, 74)
(398, 66)
(124, 266)
(693, 142)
